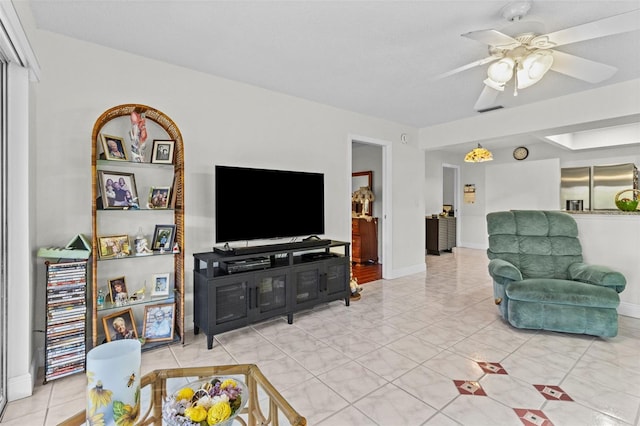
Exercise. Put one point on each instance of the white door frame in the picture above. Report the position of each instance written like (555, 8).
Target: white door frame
(457, 197)
(385, 218)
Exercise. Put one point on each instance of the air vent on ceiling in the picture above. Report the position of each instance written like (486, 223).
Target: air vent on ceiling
(490, 108)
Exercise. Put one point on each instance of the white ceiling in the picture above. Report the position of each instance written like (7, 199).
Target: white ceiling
(374, 57)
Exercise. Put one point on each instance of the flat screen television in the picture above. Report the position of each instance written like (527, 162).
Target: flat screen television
(254, 204)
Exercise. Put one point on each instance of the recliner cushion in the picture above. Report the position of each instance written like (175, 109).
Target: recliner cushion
(562, 292)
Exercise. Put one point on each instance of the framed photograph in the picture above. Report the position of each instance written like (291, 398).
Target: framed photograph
(158, 322)
(118, 289)
(118, 190)
(119, 325)
(163, 237)
(114, 246)
(162, 151)
(113, 147)
(160, 285)
(159, 197)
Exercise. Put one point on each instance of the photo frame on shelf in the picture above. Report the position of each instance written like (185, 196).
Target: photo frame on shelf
(118, 289)
(160, 285)
(162, 152)
(113, 147)
(159, 197)
(159, 321)
(114, 246)
(163, 237)
(120, 325)
(118, 190)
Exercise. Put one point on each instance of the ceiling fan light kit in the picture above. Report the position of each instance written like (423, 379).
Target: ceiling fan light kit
(529, 54)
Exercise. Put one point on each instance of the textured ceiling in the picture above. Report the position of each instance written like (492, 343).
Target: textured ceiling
(374, 57)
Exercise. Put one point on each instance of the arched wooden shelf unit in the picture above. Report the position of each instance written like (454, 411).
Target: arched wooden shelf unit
(122, 112)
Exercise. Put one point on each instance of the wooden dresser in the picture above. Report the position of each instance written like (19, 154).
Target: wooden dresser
(440, 234)
(364, 240)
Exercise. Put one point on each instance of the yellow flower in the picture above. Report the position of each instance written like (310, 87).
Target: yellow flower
(228, 383)
(184, 393)
(96, 420)
(218, 413)
(196, 413)
(99, 396)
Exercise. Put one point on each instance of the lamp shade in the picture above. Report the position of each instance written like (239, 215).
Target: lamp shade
(478, 155)
(113, 382)
(365, 196)
(501, 71)
(534, 67)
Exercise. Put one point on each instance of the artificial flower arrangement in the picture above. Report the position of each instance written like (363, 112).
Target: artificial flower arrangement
(205, 403)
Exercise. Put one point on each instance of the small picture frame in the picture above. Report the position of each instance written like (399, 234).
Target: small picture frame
(159, 322)
(114, 246)
(163, 237)
(159, 197)
(162, 152)
(117, 289)
(118, 190)
(113, 147)
(160, 285)
(119, 326)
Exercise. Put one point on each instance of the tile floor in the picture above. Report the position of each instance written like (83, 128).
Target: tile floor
(427, 349)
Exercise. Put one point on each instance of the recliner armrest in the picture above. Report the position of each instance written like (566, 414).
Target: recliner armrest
(597, 275)
(503, 271)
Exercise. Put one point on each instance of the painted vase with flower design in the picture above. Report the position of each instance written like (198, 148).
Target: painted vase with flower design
(113, 383)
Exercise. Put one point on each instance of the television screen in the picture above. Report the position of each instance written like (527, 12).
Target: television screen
(256, 204)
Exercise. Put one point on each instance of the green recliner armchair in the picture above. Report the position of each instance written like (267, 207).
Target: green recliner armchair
(539, 278)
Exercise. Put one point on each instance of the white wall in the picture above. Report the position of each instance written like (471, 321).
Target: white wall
(222, 122)
(522, 186)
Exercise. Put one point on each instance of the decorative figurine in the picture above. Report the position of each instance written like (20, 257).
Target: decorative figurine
(138, 135)
(142, 244)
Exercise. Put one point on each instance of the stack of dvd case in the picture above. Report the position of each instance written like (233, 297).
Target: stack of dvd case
(65, 339)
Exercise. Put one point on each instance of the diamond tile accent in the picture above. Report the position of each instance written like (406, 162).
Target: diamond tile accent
(492, 367)
(532, 417)
(468, 387)
(553, 393)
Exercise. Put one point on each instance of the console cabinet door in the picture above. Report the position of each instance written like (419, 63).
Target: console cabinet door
(228, 297)
(337, 277)
(307, 285)
(268, 297)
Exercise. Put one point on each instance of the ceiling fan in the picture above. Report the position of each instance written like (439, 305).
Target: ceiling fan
(526, 57)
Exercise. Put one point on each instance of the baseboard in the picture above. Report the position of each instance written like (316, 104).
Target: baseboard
(629, 310)
(403, 272)
(474, 246)
(22, 386)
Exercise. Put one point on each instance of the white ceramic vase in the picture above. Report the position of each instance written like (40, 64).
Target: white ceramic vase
(113, 382)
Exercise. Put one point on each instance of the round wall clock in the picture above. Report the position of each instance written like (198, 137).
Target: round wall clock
(520, 153)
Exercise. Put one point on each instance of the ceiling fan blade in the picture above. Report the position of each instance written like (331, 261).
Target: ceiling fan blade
(467, 66)
(580, 68)
(487, 98)
(493, 38)
(617, 24)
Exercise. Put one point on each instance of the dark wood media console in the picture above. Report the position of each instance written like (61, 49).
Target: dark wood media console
(292, 279)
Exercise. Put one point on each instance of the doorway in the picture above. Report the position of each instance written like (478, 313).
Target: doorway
(373, 155)
(451, 194)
